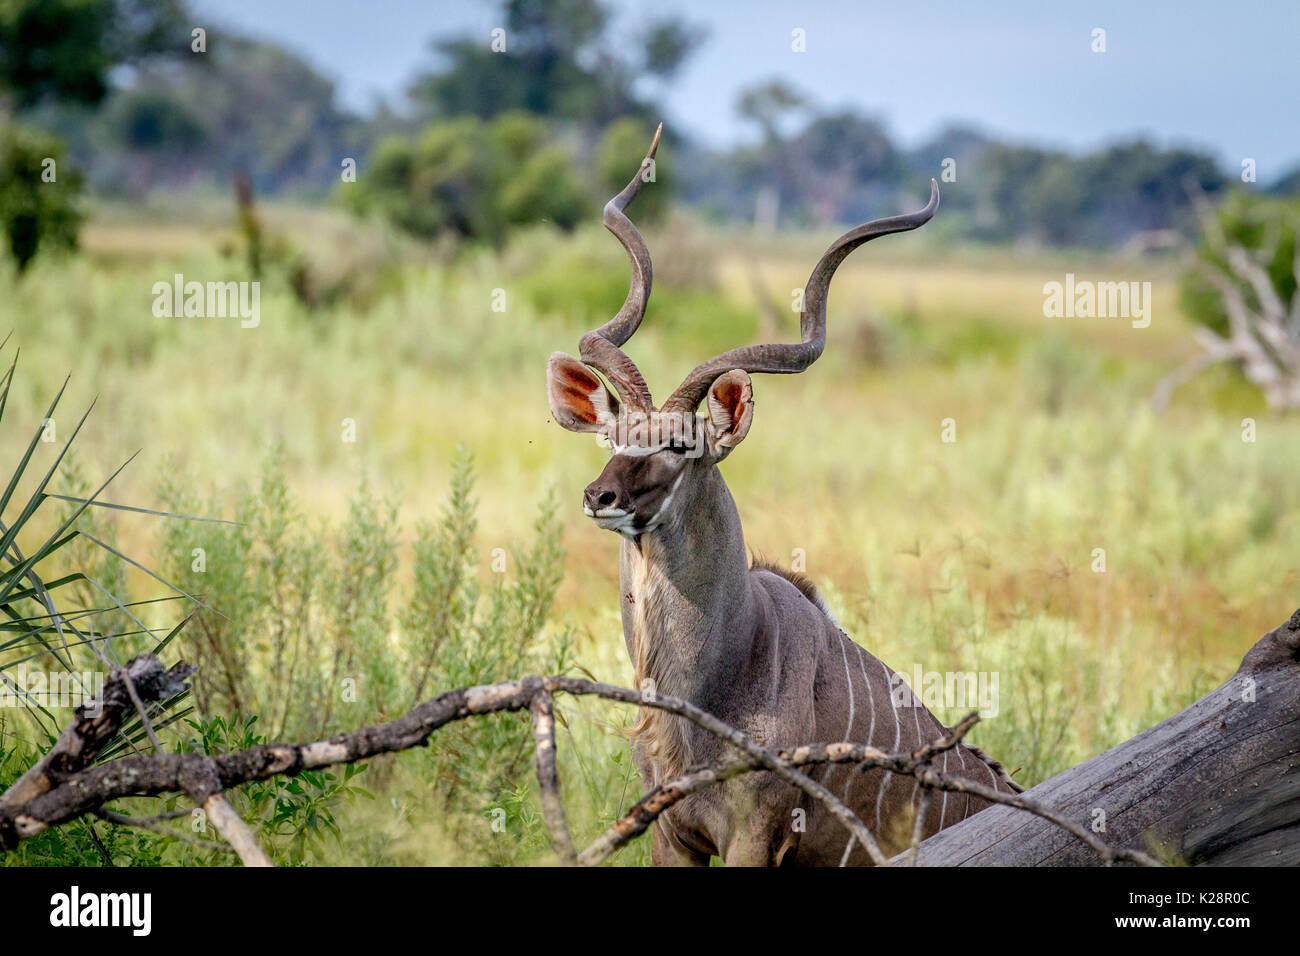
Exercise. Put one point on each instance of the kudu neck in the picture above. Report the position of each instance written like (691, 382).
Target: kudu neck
(688, 604)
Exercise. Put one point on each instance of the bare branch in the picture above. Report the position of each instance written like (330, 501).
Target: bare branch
(55, 797)
(940, 781)
(153, 825)
(231, 826)
(93, 727)
(638, 819)
(918, 826)
(548, 776)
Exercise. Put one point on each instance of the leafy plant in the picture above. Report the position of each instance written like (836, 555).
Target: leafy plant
(38, 194)
(316, 637)
(294, 815)
(60, 630)
(1267, 229)
(471, 179)
(1243, 291)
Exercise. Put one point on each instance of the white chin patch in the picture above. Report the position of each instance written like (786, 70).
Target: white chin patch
(613, 519)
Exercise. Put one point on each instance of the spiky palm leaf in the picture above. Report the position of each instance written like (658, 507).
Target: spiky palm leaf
(39, 619)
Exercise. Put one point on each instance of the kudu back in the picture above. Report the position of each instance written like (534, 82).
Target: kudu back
(755, 646)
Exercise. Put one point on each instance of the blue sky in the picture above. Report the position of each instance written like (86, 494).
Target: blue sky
(1225, 77)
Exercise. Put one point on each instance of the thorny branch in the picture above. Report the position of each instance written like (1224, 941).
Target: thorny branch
(65, 784)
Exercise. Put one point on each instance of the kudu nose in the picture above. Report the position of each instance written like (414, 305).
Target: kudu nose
(597, 497)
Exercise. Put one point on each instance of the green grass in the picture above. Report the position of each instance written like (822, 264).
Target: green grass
(972, 555)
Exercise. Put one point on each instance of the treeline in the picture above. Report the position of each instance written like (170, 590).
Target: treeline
(536, 123)
(843, 167)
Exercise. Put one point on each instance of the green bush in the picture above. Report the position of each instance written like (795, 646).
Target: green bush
(38, 194)
(310, 629)
(471, 179)
(621, 149)
(1268, 230)
(303, 631)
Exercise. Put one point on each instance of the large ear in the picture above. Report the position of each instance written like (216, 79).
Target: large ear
(580, 401)
(730, 405)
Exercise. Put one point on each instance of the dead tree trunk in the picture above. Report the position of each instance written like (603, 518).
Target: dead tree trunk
(1216, 784)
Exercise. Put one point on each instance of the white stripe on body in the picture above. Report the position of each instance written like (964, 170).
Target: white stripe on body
(898, 733)
(848, 736)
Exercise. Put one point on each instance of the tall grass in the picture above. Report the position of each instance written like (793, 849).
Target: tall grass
(312, 632)
(973, 555)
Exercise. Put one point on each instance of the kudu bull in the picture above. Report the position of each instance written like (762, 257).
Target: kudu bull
(756, 646)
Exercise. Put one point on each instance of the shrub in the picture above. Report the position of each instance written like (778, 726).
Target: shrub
(307, 628)
(1242, 289)
(1267, 231)
(34, 210)
(621, 147)
(471, 179)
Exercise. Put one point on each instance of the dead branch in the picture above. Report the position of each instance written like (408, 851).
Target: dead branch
(63, 785)
(1214, 784)
(154, 825)
(1263, 337)
(918, 765)
(199, 776)
(231, 826)
(548, 776)
(93, 728)
(918, 824)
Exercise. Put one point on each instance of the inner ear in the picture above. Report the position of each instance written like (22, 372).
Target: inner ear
(579, 399)
(731, 408)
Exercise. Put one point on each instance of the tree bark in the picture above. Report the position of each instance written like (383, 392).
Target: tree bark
(1216, 784)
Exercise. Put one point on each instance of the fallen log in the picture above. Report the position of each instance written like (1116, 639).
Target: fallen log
(1216, 784)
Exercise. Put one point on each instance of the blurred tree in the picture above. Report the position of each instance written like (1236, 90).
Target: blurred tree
(668, 45)
(621, 150)
(961, 143)
(767, 173)
(65, 49)
(1134, 187)
(1098, 199)
(532, 176)
(1288, 184)
(37, 195)
(1004, 207)
(471, 179)
(557, 60)
(62, 50)
(552, 59)
(149, 122)
(1243, 291)
(243, 108)
(769, 104)
(952, 157)
(1055, 203)
(844, 162)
